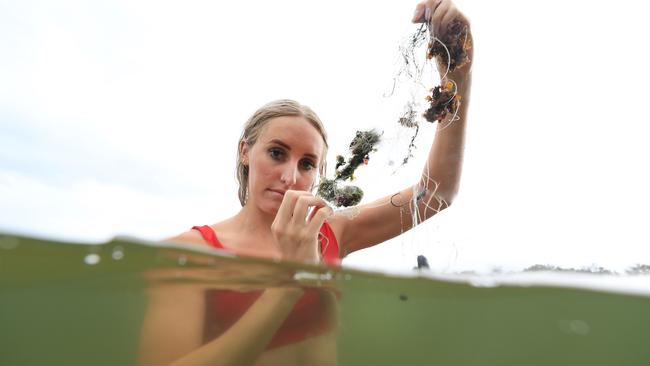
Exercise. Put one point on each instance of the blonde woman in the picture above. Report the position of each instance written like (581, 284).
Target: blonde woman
(281, 153)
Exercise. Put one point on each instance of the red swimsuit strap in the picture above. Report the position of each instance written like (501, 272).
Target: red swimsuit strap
(209, 235)
(329, 244)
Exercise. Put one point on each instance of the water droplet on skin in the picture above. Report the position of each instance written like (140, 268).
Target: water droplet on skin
(92, 259)
(182, 260)
(8, 243)
(118, 253)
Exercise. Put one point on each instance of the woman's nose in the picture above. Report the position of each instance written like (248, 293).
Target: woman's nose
(289, 175)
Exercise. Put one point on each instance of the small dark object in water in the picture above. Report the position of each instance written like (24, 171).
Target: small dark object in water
(422, 262)
(403, 297)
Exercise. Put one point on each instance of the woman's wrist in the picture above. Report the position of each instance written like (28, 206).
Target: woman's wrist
(291, 294)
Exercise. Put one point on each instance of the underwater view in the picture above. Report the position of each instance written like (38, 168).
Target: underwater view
(77, 304)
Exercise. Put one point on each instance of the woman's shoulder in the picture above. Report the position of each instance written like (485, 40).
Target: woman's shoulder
(204, 234)
(191, 236)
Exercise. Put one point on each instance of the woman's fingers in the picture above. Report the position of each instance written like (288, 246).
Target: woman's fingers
(418, 15)
(438, 14)
(294, 207)
(318, 218)
(424, 11)
(295, 233)
(302, 206)
(451, 13)
(285, 212)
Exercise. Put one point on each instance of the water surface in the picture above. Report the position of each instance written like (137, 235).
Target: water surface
(78, 304)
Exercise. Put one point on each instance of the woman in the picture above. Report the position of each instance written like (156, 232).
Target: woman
(281, 153)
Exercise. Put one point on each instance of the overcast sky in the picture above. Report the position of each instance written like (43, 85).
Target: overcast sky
(122, 118)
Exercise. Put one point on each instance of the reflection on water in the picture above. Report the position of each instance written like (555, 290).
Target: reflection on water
(130, 303)
(234, 313)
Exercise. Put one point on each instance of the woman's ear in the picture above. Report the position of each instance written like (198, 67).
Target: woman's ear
(243, 152)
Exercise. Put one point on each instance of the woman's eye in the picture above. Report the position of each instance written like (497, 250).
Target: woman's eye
(275, 153)
(308, 165)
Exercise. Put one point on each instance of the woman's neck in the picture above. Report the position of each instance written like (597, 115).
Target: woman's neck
(248, 233)
(251, 221)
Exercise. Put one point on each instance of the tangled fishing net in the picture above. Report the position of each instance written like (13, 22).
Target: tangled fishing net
(441, 103)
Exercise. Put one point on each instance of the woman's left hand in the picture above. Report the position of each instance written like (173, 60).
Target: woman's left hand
(440, 14)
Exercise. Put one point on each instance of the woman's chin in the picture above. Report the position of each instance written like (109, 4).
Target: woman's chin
(270, 208)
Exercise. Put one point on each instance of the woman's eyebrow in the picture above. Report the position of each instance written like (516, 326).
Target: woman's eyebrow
(279, 142)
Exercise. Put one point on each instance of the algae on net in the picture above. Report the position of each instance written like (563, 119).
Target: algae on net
(451, 51)
(362, 145)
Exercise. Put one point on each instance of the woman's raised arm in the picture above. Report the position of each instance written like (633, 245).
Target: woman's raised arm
(389, 216)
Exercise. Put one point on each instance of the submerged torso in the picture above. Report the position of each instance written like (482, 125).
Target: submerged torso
(307, 335)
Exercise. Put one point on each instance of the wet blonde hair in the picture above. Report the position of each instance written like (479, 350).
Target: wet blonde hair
(255, 125)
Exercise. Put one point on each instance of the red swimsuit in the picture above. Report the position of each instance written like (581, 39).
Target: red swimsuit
(308, 318)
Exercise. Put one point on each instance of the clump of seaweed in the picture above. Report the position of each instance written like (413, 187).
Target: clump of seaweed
(339, 197)
(443, 100)
(361, 146)
(451, 51)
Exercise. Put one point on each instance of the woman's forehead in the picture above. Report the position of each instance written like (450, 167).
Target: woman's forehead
(296, 132)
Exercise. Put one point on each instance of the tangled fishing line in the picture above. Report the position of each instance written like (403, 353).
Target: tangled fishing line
(442, 101)
(442, 104)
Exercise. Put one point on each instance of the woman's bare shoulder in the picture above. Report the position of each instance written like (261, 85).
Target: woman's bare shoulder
(190, 236)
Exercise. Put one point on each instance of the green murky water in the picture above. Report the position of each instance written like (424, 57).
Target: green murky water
(72, 304)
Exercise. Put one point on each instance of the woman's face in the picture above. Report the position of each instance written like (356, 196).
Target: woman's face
(287, 155)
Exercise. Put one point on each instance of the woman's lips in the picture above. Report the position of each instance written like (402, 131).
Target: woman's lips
(276, 193)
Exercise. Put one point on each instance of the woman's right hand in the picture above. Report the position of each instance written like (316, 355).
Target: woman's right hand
(296, 234)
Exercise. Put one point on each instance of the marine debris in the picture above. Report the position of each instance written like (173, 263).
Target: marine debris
(450, 52)
(443, 100)
(362, 145)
